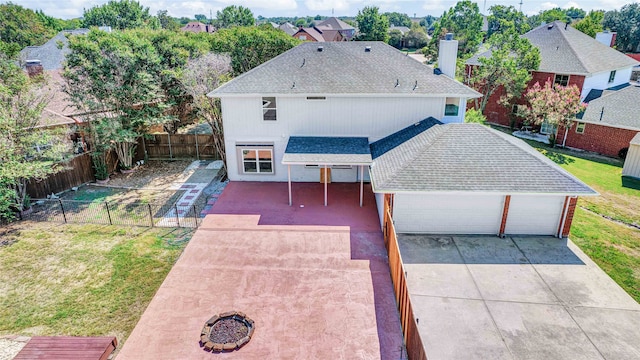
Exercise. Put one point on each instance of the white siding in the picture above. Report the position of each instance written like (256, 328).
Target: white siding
(632, 162)
(380, 206)
(447, 214)
(369, 117)
(534, 215)
(600, 81)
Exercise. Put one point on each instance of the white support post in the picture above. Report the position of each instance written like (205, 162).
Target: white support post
(361, 183)
(325, 184)
(289, 174)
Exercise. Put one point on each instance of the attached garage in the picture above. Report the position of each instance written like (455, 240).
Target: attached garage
(471, 179)
(447, 214)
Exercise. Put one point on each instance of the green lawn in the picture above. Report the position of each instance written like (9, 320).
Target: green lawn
(81, 279)
(601, 225)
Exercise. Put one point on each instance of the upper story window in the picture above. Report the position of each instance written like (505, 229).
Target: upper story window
(612, 76)
(562, 80)
(269, 109)
(451, 107)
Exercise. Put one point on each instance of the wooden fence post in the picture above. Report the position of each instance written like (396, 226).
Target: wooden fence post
(197, 149)
(64, 216)
(177, 216)
(170, 151)
(195, 216)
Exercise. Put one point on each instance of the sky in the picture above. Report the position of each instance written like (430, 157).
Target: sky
(67, 9)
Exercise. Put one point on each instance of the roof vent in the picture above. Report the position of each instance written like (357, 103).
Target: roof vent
(448, 36)
(437, 71)
(566, 25)
(550, 26)
(367, 49)
(320, 48)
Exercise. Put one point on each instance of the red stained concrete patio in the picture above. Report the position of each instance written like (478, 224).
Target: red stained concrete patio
(315, 292)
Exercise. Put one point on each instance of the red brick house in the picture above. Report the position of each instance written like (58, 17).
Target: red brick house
(569, 57)
(316, 34)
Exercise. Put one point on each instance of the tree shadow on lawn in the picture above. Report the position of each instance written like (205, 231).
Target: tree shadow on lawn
(559, 158)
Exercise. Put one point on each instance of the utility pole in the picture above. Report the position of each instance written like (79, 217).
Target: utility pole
(520, 5)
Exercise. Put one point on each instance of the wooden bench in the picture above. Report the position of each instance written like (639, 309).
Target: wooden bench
(68, 348)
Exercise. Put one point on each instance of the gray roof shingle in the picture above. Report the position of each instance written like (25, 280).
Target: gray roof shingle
(51, 54)
(470, 158)
(615, 108)
(569, 51)
(327, 150)
(344, 68)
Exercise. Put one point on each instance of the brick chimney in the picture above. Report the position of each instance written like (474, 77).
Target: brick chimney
(34, 68)
(447, 55)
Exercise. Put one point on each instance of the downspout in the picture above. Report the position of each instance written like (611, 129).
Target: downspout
(566, 132)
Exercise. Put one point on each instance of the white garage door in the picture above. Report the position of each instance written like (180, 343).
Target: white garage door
(448, 214)
(534, 214)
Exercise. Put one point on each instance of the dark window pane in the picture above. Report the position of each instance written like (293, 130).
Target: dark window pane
(250, 167)
(266, 167)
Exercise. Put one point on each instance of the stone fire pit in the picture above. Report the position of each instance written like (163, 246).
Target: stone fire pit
(226, 332)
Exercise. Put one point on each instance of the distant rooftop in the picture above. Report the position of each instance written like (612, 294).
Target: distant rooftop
(52, 54)
(618, 107)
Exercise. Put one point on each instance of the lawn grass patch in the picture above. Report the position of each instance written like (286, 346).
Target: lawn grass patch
(86, 280)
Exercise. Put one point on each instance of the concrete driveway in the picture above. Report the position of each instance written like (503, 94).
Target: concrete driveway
(516, 298)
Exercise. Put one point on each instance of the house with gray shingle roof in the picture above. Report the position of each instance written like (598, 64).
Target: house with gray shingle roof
(51, 54)
(365, 112)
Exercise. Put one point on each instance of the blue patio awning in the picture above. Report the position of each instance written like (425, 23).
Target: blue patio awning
(317, 150)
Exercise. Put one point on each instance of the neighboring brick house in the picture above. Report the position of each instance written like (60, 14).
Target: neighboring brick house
(567, 57)
(333, 23)
(315, 34)
(608, 124)
(198, 27)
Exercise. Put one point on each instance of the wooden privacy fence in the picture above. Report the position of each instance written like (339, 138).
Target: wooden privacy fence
(177, 146)
(78, 171)
(413, 343)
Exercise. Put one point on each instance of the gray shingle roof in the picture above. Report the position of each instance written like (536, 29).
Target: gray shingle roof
(615, 108)
(50, 54)
(334, 23)
(635, 140)
(572, 52)
(344, 68)
(569, 51)
(327, 150)
(470, 158)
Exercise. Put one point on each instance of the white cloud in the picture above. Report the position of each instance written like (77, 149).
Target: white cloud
(548, 5)
(323, 5)
(571, 4)
(434, 5)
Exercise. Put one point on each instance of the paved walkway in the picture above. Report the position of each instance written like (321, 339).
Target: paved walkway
(271, 201)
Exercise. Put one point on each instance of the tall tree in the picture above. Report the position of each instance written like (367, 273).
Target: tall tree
(554, 104)
(120, 14)
(166, 21)
(201, 76)
(373, 26)
(22, 27)
(201, 17)
(548, 16)
(625, 22)
(591, 24)
(575, 13)
(508, 67)
(235, 16)
(398, 19)
(395, 38)
(249, 47)
(465, 22)
(506, 17)
(27, 152)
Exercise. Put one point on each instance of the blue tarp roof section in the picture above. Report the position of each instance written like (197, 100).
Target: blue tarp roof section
(592, 95)
(327, 145)
(390, 142)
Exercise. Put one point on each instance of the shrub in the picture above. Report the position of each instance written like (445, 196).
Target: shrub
(474, 116)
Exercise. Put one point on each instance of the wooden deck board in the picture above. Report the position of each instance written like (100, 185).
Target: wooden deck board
(68, 348)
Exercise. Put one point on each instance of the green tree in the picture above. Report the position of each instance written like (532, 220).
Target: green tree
(508, 67)
(506, 17)
(398, 19)
(416, 37)
(473, 116)
(575, 13)
(249, 47)
(201, 76)
(395, 38)
(591, 24)
(428, 21)
(120, 14)
(201, 17)
(554, 104)
(166, 21)
(548, 16)
(625, 23)
(372, 25)
(22, 27)
(465, 22)
(27, 152)
(235, 16)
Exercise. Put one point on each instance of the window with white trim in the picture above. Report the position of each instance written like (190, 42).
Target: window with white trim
(269, 108)
(562, 80)
(255, 159)
(580, 127)
(451, 107)
(612, 76)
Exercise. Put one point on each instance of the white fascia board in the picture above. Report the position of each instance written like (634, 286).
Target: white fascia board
(326, 163)
(607, 125)
(374, 95)
(389, 191)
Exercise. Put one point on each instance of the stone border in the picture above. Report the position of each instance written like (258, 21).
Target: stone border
(209, 345)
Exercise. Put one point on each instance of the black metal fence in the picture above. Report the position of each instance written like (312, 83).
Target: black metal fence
(111, 213)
